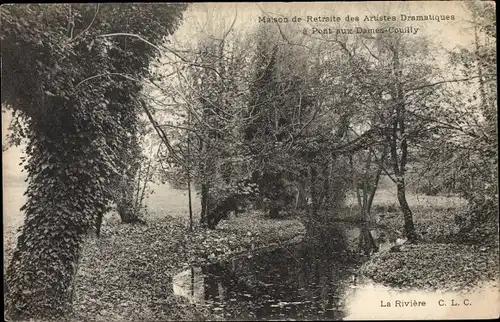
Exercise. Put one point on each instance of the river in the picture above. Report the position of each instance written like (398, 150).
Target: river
(317, 279)
(310, 280)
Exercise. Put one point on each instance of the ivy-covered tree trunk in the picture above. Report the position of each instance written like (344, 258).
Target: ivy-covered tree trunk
(126, 208)
(31, 278)
(60, 76)
(98, 224)
(217, 213)
(56, 219)
(127, 200)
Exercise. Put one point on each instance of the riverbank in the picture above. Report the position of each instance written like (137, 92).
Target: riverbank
(127, 273)
(431, 266)
(442, 260)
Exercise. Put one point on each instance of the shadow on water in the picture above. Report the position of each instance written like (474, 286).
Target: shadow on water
(304, 281)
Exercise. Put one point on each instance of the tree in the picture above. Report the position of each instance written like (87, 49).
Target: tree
(263, 134)
(399, 133)
(209, 95)
(65, 71)
(464, 150)
(403, 104)
(301, 118)
(367, 167)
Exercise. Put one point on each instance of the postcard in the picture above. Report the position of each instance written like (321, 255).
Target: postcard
(250, 161)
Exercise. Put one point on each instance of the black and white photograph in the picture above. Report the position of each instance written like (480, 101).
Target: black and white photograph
(250, 161)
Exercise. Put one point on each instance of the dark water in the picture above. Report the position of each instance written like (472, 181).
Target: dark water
(308, 281)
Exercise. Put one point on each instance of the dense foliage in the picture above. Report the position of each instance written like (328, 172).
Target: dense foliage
(463, 152)
(261, 131)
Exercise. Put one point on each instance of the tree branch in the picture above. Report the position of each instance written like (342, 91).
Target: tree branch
(443, 82)
(182, 128)
(107, 74)
(90, 25)
(134, 36)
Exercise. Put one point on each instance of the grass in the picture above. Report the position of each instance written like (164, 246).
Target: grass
(13, 199)
(165, 202)
(434, 266)
(171, 202)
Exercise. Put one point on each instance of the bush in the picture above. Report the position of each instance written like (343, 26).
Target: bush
(479, 224)
(390, 208)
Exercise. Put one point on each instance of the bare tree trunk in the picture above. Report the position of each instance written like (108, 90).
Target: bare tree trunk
(190, 205)
(189, 176)
(399, 161)
(366, 186)
(371, 196)
(301, 198)
(313, 208)
(144, 186)
(380, 167)
(138, 187)
(366, 242)
(356, 188)
(400, 184)
(373, 191)
(407, 213)
(98, 224)
(325, 193)
(477, 51)
(204, 203)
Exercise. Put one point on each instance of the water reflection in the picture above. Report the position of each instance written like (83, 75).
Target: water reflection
(307, 281)
(190, 284)
(313, 280)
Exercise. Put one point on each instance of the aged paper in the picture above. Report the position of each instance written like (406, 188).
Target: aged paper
(355, 59)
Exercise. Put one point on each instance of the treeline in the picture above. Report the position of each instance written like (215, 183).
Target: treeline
(288, 123)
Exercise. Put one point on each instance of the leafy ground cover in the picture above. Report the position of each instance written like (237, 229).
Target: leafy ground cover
(441, 260)
(126, 274)
(431, 266)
